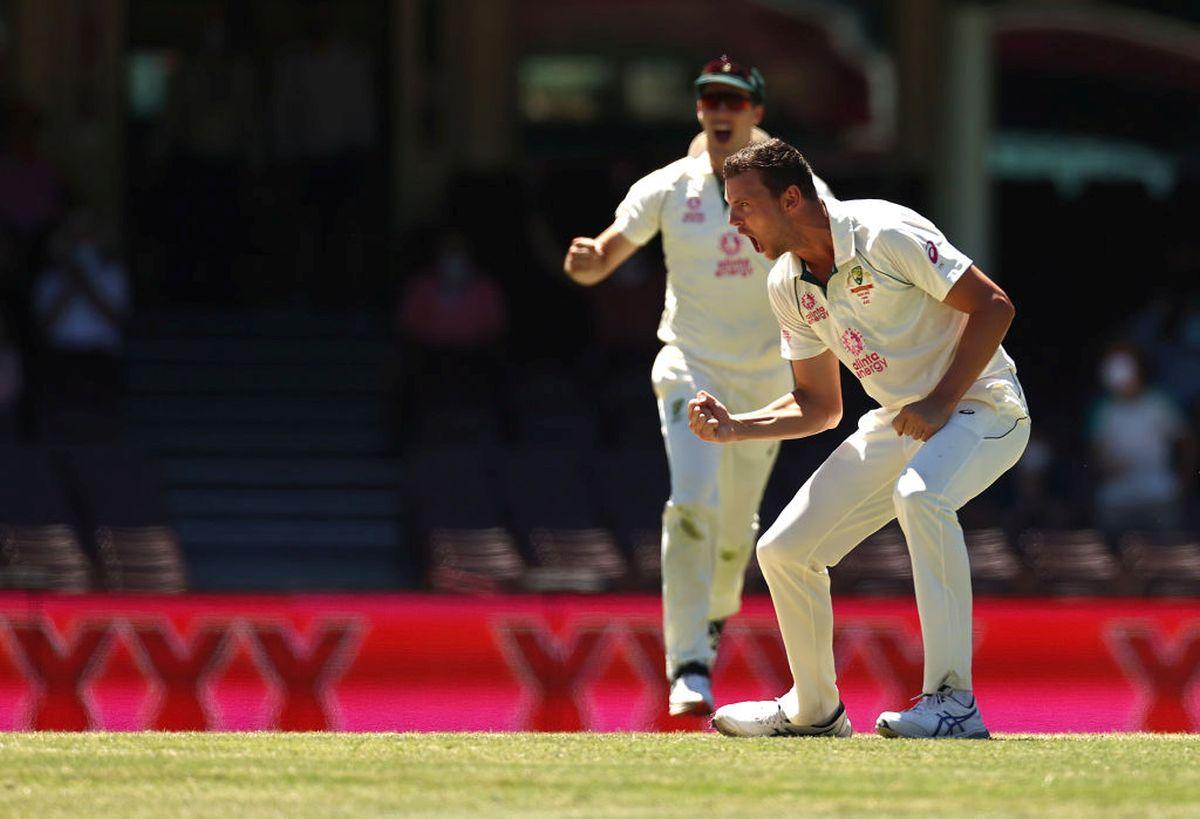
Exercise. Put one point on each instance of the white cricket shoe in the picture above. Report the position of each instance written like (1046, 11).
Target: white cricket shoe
(767, 719)
(691, 695)
(947, 714)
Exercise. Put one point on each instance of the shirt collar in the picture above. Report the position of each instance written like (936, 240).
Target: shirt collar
(841, 226)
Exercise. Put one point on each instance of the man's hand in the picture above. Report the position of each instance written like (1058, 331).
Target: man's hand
(920, 420)
(585, 260)
(709, 420)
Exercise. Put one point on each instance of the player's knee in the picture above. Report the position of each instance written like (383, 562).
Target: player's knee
(911, 494)
(687, 522)
(771, 550)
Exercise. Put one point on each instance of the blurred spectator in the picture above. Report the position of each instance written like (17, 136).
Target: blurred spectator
(80, 302)
(213, 139)
(451, 319)
(326, 128)
(31, 196)
(454, 306)
(1142, 446)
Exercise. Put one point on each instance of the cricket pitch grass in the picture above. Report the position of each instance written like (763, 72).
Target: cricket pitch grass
(650, 775)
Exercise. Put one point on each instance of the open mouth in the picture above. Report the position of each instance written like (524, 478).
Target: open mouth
(722, 134)
(754, 242)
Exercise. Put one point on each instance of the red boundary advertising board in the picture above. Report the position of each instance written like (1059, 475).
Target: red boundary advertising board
(417, 662)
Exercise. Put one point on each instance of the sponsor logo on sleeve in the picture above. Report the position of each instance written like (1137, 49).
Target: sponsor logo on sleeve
(931, 251)
(812, 313)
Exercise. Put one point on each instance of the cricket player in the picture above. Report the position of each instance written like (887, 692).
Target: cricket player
(718, 334)
(877, 287)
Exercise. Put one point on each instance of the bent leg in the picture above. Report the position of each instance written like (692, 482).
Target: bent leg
(960, 461)
(846, 499)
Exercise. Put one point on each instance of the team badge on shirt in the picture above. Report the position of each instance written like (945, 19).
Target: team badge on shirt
(861, 284)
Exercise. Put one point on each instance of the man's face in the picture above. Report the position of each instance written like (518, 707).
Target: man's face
(756, 213)
(727, 116)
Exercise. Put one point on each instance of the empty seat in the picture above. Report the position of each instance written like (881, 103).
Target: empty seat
(584, 560)
(473, 560)
(1166, 563)
(40, 546)
(995, 568)
(123, 512)
(140, 559)
(1072, 562)
(633, 486)
(46, 557)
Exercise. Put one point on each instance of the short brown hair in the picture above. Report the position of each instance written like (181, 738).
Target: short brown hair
(779, 165)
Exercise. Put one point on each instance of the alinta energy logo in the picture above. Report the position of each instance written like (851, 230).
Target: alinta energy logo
(852, 340)
(298, 668)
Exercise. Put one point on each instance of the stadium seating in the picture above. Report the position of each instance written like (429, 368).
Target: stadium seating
(474, 561)
(878, 565)
(39, 544)
(995, 567)
(1163, 563)
(270, 428)
(632, 486)
(124, 516)
(1072, 562)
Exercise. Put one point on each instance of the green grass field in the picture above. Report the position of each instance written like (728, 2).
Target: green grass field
(252, 775)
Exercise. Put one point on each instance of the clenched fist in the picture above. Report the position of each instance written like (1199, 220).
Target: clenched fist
(709, 420)
(585, 260)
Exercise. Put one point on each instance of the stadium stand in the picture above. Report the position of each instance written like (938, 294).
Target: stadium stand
(1072, 562)
(123, 514)
(879, 565)
(270, 429)
(39, 544)
(1163, 563)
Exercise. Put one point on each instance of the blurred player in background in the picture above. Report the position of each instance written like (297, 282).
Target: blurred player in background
(879, 288)
(718, 334)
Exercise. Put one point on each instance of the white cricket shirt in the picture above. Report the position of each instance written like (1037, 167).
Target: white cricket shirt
(716, 307)
(881, 312)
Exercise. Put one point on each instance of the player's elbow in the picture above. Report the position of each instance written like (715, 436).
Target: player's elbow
(1002, 305)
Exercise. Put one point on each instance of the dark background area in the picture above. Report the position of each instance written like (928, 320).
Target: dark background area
(289, 399)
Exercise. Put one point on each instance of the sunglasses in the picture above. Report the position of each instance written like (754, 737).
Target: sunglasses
(732, 102)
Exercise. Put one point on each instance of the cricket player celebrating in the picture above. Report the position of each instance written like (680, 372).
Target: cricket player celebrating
(718, 335)
(878, 287)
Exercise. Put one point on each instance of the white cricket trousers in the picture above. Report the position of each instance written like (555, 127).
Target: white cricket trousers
(872, 477)
(710, 522)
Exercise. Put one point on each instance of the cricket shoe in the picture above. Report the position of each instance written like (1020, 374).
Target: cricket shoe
(767, 719)
(691, 691)
(946, 714)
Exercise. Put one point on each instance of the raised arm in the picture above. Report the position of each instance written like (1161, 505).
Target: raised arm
(591, 261)
(815, 405)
